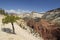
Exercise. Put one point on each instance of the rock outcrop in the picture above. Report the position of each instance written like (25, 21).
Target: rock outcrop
(52, 15)
(47, 30)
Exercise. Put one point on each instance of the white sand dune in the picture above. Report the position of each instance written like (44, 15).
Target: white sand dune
(21, 34)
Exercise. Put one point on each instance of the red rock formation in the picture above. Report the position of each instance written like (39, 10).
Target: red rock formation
(48, 31)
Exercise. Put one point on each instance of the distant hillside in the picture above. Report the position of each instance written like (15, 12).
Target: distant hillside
(54, 10)
(52, 15)
(32, 14)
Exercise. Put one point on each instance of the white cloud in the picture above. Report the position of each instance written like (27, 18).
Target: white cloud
(18, 11)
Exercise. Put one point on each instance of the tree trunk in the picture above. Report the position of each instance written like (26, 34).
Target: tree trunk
(13, 28)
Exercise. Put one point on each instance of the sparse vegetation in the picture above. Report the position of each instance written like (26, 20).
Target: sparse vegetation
(10, 19)
(2, 12)
(47, 27)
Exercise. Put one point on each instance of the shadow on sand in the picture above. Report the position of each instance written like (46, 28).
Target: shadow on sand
(7, 30)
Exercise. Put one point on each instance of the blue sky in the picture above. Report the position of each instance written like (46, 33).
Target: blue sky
(31, 5)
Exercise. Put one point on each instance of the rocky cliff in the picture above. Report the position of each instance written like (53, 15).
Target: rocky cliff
(52, 15)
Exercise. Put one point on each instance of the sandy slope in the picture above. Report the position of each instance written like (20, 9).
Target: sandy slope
(21, 34)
